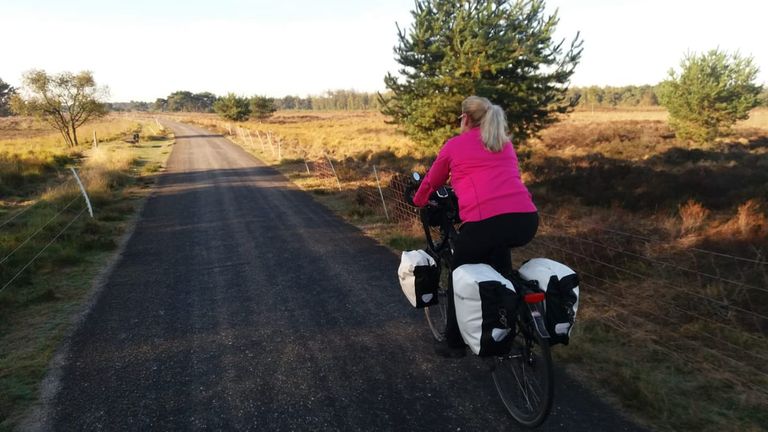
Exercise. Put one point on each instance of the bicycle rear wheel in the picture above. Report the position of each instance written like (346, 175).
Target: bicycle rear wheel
(523, 379)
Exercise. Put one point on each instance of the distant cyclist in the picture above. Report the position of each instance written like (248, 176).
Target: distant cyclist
(494, 204)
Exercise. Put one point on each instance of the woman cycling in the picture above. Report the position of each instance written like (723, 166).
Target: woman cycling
(494, 204)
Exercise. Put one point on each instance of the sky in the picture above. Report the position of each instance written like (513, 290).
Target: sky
(145, 49)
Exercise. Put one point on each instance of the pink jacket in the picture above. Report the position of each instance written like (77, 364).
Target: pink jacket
(486, 183)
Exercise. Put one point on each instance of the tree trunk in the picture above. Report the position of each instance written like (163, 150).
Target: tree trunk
(64, 130)
(74, 136)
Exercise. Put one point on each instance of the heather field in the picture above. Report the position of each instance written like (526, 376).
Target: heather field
(670, 239)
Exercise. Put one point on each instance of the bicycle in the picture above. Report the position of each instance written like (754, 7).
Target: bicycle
(523, 377)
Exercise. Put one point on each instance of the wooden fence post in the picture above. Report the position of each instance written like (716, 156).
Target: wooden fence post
(381, 194)
(333, 169)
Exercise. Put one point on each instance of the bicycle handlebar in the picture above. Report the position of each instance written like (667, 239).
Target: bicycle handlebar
(442, 196)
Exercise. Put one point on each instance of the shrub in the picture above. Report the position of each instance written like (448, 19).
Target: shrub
(712, 92)
(232, 107)
(692, 216)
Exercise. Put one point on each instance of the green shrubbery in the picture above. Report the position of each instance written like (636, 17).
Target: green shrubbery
(233, 107)
(711, 93)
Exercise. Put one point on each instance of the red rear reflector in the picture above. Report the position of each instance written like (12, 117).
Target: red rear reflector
(534, 298)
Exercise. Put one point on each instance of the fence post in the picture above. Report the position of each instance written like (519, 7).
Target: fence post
(271, 146)
(333, 169)
(381, 194)
(249, 137)
(279, 149)
(82, 189)
(95, 141)
(229, 128)
(261, 141)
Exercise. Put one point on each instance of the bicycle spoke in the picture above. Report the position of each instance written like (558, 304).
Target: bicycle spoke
(523, 380)
(523, 387)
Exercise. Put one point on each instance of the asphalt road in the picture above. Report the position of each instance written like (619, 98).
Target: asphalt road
(241, 304)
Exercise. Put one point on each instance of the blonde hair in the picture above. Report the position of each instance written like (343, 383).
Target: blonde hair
(490, 118)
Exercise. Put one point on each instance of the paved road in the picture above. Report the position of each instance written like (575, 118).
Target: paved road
(242, 304)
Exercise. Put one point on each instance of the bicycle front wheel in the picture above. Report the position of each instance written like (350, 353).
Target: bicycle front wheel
(523, 379)
(437, 316)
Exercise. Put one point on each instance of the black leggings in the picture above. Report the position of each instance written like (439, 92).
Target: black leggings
(487, 241)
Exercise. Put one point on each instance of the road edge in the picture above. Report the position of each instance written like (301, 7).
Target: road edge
(39, 416)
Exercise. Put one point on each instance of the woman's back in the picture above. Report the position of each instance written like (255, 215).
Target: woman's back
(487, 183)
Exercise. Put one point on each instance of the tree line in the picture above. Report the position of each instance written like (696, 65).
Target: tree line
(615, 97)
(627, 96)
(185, 101)
(589, 97)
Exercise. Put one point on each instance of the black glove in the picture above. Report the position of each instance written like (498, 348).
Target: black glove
(410, 192)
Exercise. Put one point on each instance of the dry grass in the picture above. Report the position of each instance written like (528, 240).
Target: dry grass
(595, 175)
(758, 118)
(341, 134)
(693, 217)
(748, 224)
(26, 136)
(604, 116)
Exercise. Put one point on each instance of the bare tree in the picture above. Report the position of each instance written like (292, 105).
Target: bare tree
(65, 100)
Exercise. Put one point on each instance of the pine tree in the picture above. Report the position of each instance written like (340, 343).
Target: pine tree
(711, 93)
(501, 49)
(262, 107)
(232, 107)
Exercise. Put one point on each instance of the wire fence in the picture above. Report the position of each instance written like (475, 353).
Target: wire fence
(18, 254)
(705, 308)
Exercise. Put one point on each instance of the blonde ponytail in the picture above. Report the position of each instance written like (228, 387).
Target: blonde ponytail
(494, 129)
(490, 118)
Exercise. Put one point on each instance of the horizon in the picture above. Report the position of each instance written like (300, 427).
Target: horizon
(260, 48)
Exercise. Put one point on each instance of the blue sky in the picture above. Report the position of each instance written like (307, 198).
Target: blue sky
(146, 49)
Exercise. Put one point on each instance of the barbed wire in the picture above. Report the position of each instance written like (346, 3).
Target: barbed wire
(18, 213)
(39, 230)
(664, 263)
(681, 289)
(668, 319)
(27, 208)
(633, 315)
(651, 240)
(43, 250)
(680, 356)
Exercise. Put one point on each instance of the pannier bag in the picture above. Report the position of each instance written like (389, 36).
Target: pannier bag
(561, 285)
(486, 304)
(419, 278)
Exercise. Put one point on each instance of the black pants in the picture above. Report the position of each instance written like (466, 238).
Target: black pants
(487, 241)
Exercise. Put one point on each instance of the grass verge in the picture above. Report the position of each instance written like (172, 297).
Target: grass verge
(38, 306)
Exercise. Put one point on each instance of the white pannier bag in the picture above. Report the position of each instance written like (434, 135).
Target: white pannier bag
(561, 285)
(486, 304)
(419, 278)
